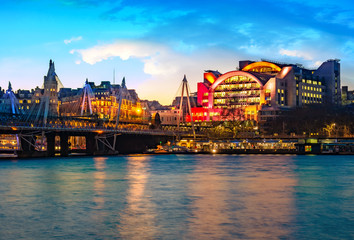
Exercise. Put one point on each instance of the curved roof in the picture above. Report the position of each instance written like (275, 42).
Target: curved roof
(260, 78)
(252, 66)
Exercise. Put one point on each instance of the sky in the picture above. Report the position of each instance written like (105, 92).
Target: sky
(154, 43)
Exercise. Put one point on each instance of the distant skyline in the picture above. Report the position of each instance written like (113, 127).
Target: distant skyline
(154, 43)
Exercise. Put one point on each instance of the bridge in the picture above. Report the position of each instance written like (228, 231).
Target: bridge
(44, 130)
(81, 123)
(56, 136)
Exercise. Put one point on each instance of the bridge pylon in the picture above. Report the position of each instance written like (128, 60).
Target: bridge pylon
(185, 90)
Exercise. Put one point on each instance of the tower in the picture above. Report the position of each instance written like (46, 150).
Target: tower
(45, 101)
(51, 90)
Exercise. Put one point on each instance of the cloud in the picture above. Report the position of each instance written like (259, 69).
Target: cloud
(296, 53)
(163, 67)
(73, 39)
(155, 56)
(317, 63)
(177, 38)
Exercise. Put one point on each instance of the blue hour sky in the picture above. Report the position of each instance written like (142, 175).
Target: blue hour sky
(154, 43)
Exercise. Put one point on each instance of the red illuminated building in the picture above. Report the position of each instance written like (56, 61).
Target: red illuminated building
(260, 89)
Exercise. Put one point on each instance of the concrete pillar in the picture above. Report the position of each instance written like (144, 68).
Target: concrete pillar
(64, 145)
(26, 148)
(90, 144)
(50, 144)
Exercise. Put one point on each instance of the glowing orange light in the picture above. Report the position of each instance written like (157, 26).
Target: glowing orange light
(227, 75)
(13, 128)
(255, 65)
(210, 77)
(99, 131)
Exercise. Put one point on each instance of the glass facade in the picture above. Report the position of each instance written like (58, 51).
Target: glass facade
(236, 92)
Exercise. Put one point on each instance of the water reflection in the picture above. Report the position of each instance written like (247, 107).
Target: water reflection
(209, 189)
(254, 202)
(137, 221)
(178, 197)
(267, 199)
(99, 182)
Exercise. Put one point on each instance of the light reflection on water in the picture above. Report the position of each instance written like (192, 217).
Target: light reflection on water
(178, 197)
(258, 197)
(137, 218)
(99, 181)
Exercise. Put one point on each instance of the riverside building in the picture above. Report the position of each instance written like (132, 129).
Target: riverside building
(103, 101)
(260, 90)
(53, 100)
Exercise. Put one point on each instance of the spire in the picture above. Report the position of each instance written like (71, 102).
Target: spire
(51, 70)
(86, 82)
(123, 83)
(9, 88)
(51, 65)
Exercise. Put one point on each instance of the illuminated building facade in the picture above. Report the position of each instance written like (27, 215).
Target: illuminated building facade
(44, 100)
(259, 90)
(168, 117)
(104, 103)
(54, 100)
(25, 99)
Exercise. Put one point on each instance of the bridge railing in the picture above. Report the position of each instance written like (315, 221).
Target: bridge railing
(78, 124)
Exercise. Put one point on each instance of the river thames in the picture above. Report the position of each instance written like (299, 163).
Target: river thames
(178, 197)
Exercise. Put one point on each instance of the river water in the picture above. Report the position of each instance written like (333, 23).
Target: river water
(178, 197)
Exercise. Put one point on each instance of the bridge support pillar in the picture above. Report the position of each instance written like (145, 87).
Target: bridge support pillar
(27, 143)
(64, 145)
(50, 144)
(27, 146)
(90, 144)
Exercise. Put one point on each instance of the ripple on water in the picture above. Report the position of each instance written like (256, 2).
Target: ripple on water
(178, 197)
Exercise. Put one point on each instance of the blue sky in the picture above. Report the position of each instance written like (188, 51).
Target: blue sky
(154, 43)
